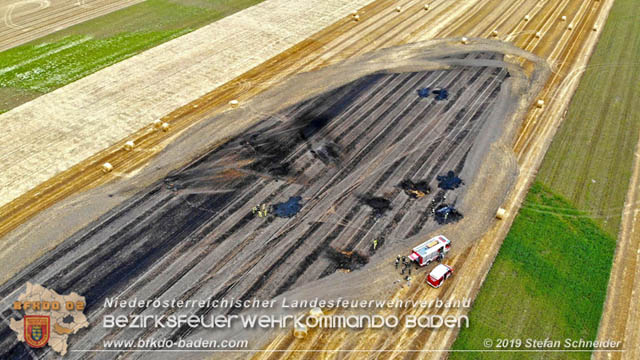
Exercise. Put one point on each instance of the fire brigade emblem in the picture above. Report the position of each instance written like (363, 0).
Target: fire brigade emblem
(36, 330)
(48, 319)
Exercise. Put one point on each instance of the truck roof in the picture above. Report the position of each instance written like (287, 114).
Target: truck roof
(431, 245)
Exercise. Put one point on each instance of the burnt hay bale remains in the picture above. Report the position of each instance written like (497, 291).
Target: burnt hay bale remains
(441, 94)
(437, 200)
(379, 204)
(415, 189)
(449, 181)
(288, 208)
(445, 214)
(346, 260)
(424, 92)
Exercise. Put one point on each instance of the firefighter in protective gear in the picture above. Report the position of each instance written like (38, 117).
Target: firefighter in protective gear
(261, 210)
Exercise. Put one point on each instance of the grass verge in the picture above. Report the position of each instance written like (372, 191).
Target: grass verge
(549, 281)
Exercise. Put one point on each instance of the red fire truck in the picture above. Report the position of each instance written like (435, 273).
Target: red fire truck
(433, 249)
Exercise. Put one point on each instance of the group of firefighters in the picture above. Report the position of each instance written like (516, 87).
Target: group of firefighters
(262, 210)
(406, 266)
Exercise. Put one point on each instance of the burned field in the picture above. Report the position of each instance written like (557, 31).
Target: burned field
(317, 188)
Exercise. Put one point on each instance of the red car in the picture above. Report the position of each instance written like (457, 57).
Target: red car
(438, 275)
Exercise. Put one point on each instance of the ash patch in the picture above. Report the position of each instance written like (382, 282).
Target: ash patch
(328, 153)
(288, 208)
(445, 214)
(441, 94)
(346, 260)
(415, 189)
(379, 205)
(272, 149)
(311, 124)
(449, 181)
(424, 92)
(270, 155)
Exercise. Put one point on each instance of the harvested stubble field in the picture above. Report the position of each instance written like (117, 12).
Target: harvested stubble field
(107, 106)
(45, 64)
(586, 15)
(357, 141)
(584, 179)
(589, 161)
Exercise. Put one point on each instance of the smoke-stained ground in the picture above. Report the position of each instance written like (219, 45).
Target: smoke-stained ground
(342, 140)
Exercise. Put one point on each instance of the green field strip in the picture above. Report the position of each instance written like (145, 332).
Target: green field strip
(549, 280)
(590, 159)
(60, 58)
(550, 277)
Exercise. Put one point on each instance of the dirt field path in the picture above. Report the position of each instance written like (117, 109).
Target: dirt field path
(26, 20)
(621, 316)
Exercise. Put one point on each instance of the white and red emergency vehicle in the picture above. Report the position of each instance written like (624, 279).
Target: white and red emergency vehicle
(433, 249)
(438, 275)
